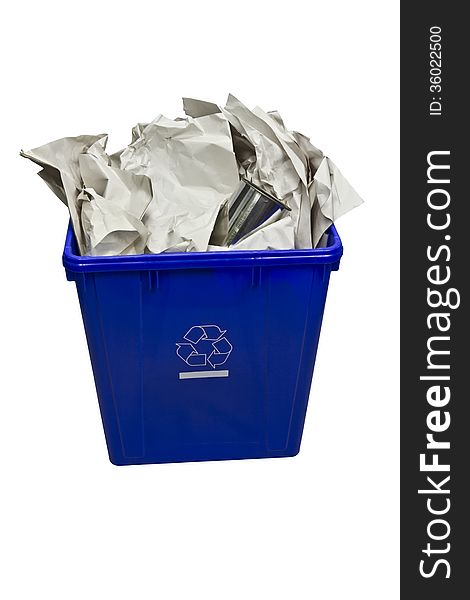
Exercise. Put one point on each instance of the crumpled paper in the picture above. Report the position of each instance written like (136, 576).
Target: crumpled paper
(168, 191)
(286, 165)
(106, 204)
(193, 171)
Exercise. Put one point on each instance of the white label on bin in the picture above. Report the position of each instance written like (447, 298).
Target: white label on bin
(204, 346)
(202, 374)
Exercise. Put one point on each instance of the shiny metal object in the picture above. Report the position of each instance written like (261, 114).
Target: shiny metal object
(248, 208)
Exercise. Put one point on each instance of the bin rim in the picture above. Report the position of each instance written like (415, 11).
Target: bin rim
(75, 263)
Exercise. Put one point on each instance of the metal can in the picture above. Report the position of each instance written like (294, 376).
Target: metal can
(248, 208)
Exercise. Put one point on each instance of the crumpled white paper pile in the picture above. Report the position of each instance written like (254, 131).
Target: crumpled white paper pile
(168, 190)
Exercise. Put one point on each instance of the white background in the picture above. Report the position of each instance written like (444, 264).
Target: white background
(323, 525)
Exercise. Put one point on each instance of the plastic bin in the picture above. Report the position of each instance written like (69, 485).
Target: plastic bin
(203, 356)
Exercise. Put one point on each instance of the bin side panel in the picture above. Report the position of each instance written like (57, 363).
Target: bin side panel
(96, 345)
(318, 295)
(118, 297)
(288, 292)
(190, 413)
(287, 411)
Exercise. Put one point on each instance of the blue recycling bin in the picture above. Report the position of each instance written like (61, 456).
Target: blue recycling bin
(203, 356)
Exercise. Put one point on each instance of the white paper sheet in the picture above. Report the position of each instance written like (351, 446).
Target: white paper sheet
(106, 205)
(61, 171)
(277, 233)
(334, 197)
(193, 171)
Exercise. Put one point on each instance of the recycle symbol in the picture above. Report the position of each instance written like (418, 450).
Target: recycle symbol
(204, 345)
